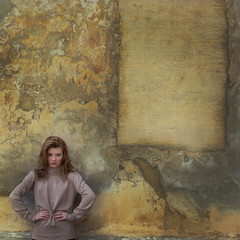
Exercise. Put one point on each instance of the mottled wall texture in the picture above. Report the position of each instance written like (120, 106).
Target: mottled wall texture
(146, 95)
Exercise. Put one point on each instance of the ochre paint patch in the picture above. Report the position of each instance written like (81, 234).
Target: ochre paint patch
(172, 74)
(129, 209)
(9, 219)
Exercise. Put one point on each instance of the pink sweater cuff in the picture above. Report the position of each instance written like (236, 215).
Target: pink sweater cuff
(70, 217)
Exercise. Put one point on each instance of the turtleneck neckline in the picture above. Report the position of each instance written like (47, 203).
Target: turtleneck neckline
(53, 170)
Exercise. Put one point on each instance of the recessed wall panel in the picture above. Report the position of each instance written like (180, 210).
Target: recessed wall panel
(173, 73)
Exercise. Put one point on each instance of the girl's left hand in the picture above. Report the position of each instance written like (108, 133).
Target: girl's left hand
(60, 216)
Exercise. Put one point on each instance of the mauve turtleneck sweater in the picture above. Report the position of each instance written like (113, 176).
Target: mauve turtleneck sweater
(53, 194)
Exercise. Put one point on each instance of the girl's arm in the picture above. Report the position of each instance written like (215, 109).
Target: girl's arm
(17, 194)
(88, 197)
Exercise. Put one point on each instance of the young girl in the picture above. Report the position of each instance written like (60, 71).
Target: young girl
(55, 185)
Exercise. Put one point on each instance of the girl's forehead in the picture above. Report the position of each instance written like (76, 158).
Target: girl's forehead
(55, 150)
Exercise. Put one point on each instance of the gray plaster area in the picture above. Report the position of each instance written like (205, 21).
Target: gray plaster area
(5, 7)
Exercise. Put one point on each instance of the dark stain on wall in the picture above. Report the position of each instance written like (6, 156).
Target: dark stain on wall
(152, 176)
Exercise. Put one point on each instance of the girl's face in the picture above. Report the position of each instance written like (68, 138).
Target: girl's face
(55, 156)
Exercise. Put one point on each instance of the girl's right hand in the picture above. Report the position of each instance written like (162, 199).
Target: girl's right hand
(44, 214)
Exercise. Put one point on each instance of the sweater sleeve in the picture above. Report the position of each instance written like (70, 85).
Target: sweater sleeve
(87, 195)
(17, 194)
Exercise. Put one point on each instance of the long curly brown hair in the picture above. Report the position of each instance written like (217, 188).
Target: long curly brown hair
(65, 167)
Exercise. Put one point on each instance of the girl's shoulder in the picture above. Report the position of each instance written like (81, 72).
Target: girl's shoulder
(30, 177)
(31, 174)
(73, 176)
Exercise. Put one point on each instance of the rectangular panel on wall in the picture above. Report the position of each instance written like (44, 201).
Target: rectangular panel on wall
(173, 73)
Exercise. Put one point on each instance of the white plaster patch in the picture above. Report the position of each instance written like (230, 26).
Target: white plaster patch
(59, 51)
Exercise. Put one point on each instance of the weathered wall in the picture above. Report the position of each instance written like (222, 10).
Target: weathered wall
(59, 74)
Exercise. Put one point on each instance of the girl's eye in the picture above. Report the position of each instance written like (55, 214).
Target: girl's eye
(49, 154)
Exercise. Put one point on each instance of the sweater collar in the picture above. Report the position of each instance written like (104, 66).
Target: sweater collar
(53, 170)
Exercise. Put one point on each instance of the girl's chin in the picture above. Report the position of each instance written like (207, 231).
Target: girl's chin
(53, 165)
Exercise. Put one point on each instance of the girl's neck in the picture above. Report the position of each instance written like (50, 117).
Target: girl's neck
(53, 170)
